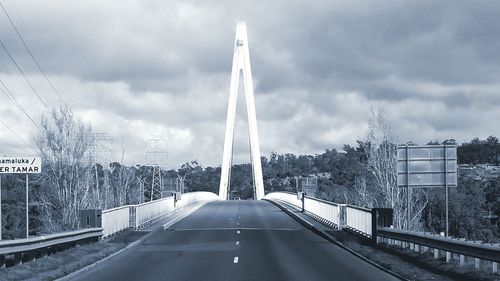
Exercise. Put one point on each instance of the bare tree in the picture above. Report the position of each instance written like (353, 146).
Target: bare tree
(364, 197)
(62, 145)
(381, 152)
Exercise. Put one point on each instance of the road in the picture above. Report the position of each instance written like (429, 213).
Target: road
(236, 240)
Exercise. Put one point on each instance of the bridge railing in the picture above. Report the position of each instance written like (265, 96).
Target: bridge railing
(112, 220)
(193, 197)
(150, 211)
(359, 219)
(136, 216)
(115, 220)
(288, 197)
(327, 212)
(370, 224)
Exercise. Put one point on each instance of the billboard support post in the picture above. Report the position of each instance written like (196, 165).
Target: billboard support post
(408, 185)
(446, 188)
(424, 167)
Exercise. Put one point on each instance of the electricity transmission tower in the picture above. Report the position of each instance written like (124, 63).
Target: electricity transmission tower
(156, 157)
(142, 181)
(177, 184)
(99, 152)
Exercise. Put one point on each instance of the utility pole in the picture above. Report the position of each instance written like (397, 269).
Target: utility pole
(156, 157)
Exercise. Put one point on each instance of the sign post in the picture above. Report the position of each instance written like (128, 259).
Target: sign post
(20, 165)
(427, 166)
(0, 206)
(27, 209)
(309, 185)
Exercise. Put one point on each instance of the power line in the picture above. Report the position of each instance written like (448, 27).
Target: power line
(32, 56)
(9, 94)
(22, 73)
(19, 137)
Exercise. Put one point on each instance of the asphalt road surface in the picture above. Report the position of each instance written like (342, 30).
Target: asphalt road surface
(236, 240)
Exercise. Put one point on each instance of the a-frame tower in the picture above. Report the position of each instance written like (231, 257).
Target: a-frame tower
(241, 65)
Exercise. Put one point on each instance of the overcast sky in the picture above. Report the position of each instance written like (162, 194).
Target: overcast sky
(139, 68)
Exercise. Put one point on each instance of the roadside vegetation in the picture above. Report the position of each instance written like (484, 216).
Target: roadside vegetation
(363, 174)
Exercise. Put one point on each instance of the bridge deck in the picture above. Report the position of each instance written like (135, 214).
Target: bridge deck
(236, 240)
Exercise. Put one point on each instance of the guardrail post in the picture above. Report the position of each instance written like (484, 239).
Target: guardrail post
(494, 266)
(436, 254)
(303, 199)
(448, 256)
(462, 260)
(477, 263)
(342, 215)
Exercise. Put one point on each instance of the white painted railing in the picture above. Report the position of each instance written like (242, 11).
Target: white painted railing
(324, 210)
(115, 220)
(290, 198)
(118, 219)
(359, 219)
(341, 215)
(193, 197)
(149, 211)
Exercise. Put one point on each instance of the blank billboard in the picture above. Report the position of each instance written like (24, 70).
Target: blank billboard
(427, 166)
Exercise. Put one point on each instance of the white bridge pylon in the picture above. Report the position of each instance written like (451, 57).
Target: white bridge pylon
(241, 64)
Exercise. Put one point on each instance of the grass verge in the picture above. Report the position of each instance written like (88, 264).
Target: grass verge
(62, 263)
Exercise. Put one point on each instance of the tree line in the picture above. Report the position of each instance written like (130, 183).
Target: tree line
(363, 174)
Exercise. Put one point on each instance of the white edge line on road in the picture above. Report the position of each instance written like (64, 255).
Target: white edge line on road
(172, 222)
(73, 274)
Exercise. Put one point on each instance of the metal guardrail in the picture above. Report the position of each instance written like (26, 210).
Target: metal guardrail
(113, 220)
(27, 249)
(439, 243)
(367, 222)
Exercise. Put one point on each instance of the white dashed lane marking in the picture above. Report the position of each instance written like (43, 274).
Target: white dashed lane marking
(235, 260)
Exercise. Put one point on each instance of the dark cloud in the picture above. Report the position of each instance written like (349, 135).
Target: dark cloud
(136, 68)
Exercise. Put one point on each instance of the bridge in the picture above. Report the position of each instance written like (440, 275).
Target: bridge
(282, 237)
(235, 240)
(278, 236)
